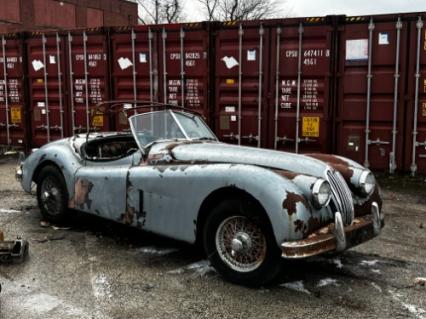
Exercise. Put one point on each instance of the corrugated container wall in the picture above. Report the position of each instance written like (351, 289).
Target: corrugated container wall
(415, 133)
(88, 80)
(147, 66)
(242, 60)
(300, 84)
(46, 78)
(370, 107)
(183, 64)
(134, 67)
(13, 124)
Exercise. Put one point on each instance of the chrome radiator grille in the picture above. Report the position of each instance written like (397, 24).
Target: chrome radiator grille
(342, 196)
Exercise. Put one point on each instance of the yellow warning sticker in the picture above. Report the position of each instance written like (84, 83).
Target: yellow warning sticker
(310, 126)
(424, 109)
(16, 115)
(98, 120)
(230, 81)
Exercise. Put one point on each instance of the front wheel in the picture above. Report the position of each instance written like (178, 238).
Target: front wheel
(52, 195)
(240, 244)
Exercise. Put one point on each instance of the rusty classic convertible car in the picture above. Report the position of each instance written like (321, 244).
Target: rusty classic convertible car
(250, 208)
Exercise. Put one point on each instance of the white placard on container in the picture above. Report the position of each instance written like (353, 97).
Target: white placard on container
(357, 50)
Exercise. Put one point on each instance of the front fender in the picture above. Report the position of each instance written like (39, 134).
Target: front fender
(174, 195)
(61, 155)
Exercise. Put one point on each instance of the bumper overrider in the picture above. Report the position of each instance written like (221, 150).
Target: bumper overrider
(336, 237)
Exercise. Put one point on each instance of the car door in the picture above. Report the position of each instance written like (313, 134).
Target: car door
(100, 189)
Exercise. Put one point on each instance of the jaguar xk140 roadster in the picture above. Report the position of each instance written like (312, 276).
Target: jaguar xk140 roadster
(249, 208)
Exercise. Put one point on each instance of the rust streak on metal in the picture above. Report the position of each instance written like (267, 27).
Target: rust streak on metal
(338, 164)
(82, 189)
(291, 200)
(300, 226)
(286, 174)
(128, 216)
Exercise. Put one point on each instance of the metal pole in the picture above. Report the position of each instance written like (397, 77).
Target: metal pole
(6, 94)
(392, 164)
(369, 78)
(182, 67)
(86, 73)
(135, 93)
(71, 75)
(151, 74)
(259, 97)
(46, 91)
(277, 87)
(240, 62)
(419, 26)
(58, 61)
(164, 36)
(299, 78)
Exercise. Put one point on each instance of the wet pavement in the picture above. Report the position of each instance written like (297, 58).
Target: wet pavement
(92, 268)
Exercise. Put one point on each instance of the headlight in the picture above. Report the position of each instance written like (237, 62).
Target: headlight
(366, 182)
(321, 193)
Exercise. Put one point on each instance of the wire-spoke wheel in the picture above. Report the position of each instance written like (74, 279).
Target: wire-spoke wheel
(240, 244)
(52, 195)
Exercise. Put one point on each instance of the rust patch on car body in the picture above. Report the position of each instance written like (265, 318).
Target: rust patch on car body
(291, 200)
(338, 164)
(82, 188)
(300, 226)
(286, 174)
(128, 217)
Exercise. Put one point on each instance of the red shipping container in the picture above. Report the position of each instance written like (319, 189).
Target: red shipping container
(183, 62)
(46, 77)
(88, 80)
(370, 95)
(242, 60)
(13, 125)
(415, 133)
(300, 84)
(134, 67)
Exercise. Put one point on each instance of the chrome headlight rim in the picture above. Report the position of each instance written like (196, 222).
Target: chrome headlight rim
(366, 178)
(317, 188)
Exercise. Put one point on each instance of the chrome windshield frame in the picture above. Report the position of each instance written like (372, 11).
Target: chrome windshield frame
(179, 124)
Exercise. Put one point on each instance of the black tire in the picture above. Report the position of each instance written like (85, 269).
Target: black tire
(52, 194)
(266, 268)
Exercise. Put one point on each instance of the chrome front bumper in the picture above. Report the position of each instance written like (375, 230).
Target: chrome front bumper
(336, 237)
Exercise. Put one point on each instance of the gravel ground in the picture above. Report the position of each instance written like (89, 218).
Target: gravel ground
(99, 269)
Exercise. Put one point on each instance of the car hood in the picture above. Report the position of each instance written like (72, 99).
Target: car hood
(227, 153)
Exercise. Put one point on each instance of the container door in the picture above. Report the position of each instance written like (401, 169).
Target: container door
(89, 81)
(134, 68)
(184, 67)
(242, 65)
(370, 93)
(299, 118)
(46, 63)
(415, 161)
(13, 131)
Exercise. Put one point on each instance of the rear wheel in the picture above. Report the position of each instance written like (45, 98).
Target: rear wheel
(240, 244)
(52, 195)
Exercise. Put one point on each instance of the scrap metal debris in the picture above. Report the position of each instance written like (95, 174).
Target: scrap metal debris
(14, 250)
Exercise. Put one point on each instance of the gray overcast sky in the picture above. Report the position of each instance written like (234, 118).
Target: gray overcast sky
(304, 8)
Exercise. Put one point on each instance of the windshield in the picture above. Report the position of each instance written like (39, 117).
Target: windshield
(168, 125)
